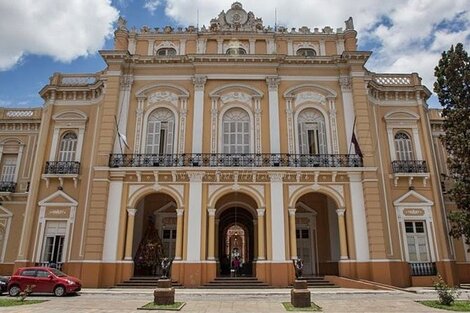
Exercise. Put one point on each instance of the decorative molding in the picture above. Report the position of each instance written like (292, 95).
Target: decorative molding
(340, 211)
(179, 189)
(261, 212)
(293, 188)
(276, 177)
(179, 212)
(211, 211)
(131, 212)
(164, 96)
(237, 96)
(196, 176)
(345, 83)
(213, 189)
(199, 81)
(292, 212)
(273, 82)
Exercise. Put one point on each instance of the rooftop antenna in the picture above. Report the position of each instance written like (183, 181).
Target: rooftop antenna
(275, 19)
(197, 22)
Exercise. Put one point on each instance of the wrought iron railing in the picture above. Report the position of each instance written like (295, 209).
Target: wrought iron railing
(411, 166)
(423, 269)
(62, 167)
(235, 160)
(7, 186)
(57, 265)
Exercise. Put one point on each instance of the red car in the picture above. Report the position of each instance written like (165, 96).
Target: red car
(44, 279)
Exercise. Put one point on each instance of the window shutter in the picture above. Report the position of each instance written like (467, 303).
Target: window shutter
(303, 139)
(322, 139)
(169, 137)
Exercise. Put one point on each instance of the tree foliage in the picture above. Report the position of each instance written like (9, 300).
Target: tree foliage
(453, 90)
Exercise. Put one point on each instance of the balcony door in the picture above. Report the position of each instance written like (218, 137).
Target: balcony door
(312, 133)
(68, 147)
(160, 132)
(236, 131)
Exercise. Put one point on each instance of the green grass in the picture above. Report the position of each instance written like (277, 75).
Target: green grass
(171, 307)
(459, 305)
(14, 302)
(313, 308)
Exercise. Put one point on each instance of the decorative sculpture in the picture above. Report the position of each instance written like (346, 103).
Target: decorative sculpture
(298, 266)
(166, 268)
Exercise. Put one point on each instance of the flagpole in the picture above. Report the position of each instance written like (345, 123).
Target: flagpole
(119, 137)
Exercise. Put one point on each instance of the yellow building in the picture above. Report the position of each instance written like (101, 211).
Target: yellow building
(235, 141)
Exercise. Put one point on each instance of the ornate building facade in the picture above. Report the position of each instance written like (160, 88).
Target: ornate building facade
(236, 141)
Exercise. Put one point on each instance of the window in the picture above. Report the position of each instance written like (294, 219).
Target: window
(416, 240)
(312, 134)
(54, 239)
(29, 273)
(8, 168)
(68, 147)
(160, 132)
(235, 51)
(306, 52)
(236, 131)
(403, 146)
(166, 52)
(169, 241)
(42, 273)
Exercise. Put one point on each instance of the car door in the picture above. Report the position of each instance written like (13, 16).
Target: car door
(27, 277)
(44, 281)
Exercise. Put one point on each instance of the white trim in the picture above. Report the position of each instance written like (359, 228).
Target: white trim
(225, 109)
(194, 234)
(8, 216)
(361, 238)
(277, 219)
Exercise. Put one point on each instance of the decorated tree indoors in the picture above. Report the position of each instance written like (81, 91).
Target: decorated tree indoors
(453, 89)
(150, 251)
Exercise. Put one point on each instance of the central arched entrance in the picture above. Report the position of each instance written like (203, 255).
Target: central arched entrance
(236, 235)
(154, 233)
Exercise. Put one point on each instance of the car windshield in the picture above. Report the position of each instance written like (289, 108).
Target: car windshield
(57, 272)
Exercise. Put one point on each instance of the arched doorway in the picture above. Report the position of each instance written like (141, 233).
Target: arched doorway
(317, 235)
(236, 235)
(154, 233)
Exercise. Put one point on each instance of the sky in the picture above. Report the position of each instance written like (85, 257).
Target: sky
(38, 38)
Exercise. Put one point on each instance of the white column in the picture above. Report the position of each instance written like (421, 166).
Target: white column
(252, 45)
(81, 137)
(194, 216)
(290, 126)
(182, 46)
(348, 107)
(322, 47)
(358, 211)
(270, 46)
(290, 48)
(199, 81)
(214, 123)
(391, 143)
(257, 124)
(220, 46)
(55, 142)
(183, 114)
(18, 162)
(138, 124)
(273, 83)
(123, 112)
(132, 43)
(340, 46)
(150, 47)
(111, 237)
(277, 217)
(333, 126)
(417, 144)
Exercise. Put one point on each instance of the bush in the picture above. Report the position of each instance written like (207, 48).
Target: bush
(447, 295)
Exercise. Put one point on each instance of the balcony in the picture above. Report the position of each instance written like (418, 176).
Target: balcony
(234, 160)
(411, 166)
(423, 269)
(61, 170)
(7, 186)
(62, 167)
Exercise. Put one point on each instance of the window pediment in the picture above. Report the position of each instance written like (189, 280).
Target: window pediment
(236, 97)
(309, 96)
(163, 96)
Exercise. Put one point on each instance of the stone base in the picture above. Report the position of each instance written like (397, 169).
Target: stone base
(300, 295)
(165, 293)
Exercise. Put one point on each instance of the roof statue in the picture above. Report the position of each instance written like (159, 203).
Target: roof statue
(236, 19)
(349, 24)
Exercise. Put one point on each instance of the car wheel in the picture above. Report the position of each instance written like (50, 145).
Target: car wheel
(59, 291)
(14, 291)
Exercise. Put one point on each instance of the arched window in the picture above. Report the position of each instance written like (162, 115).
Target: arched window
(236, 131)
(403, 146)
(306, 52)
(235, 51)
(160, 130)
(312, 133)
(68, 147)
(166, 52)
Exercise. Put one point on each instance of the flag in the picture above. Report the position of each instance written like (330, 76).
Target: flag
(354, 141)
(124, 139)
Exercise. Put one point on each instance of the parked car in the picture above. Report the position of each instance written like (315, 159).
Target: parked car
(44, 280)
(3, 284)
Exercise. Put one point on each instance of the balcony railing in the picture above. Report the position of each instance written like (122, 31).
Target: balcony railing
(62, 167)
(7, 186)
(235, 160)
(423, 269)
(411, 166)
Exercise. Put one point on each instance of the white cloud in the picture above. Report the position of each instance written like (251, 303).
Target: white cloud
(152, 5)
(405, 30)
(61, 29)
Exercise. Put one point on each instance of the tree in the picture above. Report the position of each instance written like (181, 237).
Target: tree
(453, 90)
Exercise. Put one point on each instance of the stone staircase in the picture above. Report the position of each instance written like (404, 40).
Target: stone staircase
(236, 283)
(144, 282)
(318, 282)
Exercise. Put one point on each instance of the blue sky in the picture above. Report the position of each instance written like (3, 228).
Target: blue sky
(36, 41)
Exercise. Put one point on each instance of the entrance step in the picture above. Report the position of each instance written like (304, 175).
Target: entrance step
(235, 283)
(318, 282)
(144, 282)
